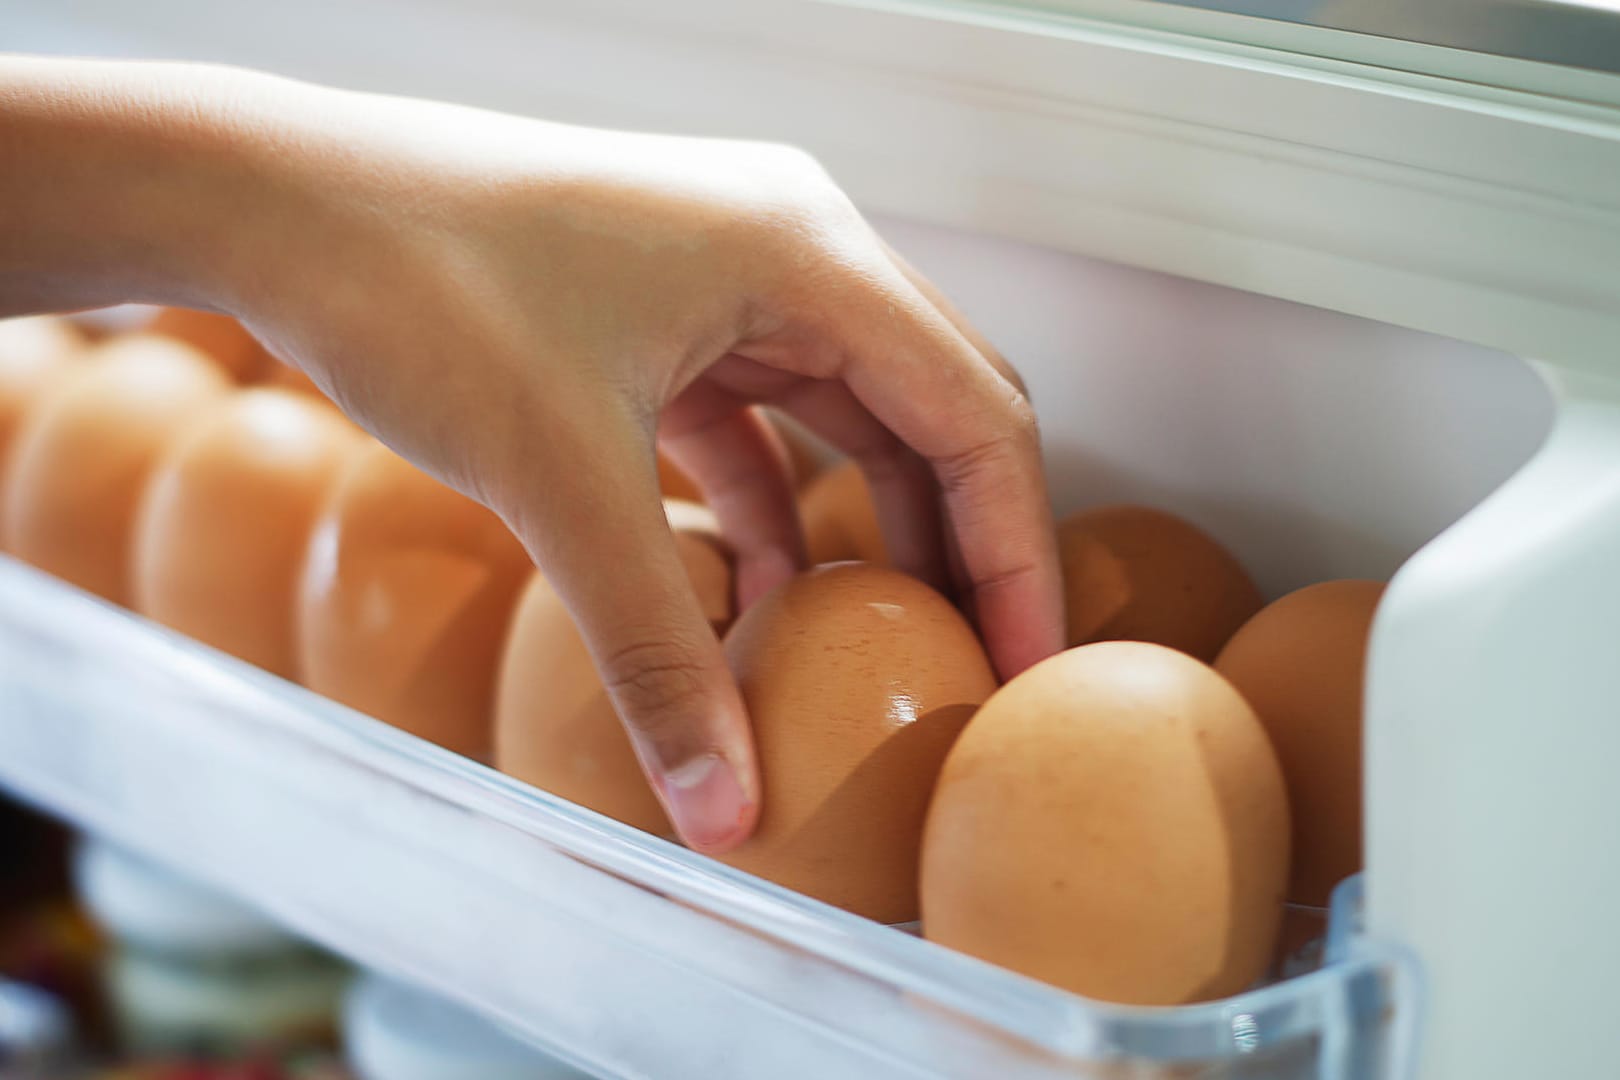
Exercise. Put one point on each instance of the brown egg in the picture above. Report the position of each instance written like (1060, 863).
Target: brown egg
(1133, 573)
(34, 354)
(674, 483)
(96, 325)
(707, 559)
(286, 377)
(554, 725)
(220, 336)
(839, 519)
(1301, 663)
(226, 519)
(857, 679)
(81, 459)
(1113, 822)
(405, 599)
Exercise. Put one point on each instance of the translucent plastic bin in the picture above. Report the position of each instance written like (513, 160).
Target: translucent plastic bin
(1313, 444)
(624, 953)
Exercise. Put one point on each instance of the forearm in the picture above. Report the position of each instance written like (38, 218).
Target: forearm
(128, 182)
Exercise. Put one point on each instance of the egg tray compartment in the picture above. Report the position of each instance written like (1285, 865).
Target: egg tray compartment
(628, 954)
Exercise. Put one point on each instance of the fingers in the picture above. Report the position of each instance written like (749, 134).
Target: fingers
(918, 375)
(904, 493)
(739, 463)
(933, 295)
(598, 532)
(902, 485)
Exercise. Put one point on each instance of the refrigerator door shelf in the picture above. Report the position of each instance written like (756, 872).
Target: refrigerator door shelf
(625, 953)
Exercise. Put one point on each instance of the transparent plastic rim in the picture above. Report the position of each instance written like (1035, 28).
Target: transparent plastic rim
(1358, 988)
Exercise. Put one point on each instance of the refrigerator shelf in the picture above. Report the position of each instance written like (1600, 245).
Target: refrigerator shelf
(627, 954)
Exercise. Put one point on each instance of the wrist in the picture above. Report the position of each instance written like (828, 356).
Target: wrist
(135, 182)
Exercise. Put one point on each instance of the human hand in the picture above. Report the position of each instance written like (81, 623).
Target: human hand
(522, 308)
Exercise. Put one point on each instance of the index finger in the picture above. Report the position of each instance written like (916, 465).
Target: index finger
(922, 378)
(597, 528)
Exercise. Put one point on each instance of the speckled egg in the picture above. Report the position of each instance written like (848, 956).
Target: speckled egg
(857, 679)
(1114, 822)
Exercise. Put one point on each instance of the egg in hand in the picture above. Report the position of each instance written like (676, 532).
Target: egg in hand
(857, 680)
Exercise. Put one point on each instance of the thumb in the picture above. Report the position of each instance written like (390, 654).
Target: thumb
(600, 535)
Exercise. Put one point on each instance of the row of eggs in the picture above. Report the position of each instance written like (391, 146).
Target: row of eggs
(1124, 820)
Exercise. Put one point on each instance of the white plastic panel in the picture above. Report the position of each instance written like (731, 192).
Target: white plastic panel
(1493, 735)
(1317, 445)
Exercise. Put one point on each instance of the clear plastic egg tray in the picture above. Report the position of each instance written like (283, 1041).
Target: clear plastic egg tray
(627, 954)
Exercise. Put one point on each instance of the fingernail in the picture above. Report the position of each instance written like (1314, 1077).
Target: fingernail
(706, 802)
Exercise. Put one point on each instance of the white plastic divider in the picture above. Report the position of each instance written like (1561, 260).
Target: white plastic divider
(1493, 737)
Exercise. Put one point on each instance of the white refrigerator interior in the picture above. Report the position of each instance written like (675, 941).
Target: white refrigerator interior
(1133, 218)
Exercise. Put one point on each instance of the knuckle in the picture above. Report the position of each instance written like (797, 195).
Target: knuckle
(790, 158)
(959, 469)
(797, 199)
(656, 684)
(1022, 422)
(1011, 448)
(1010, 373)
(1005, 577)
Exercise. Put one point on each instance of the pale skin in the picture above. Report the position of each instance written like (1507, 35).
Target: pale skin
(524, 309)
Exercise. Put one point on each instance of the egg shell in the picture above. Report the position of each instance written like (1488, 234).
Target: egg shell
(1134, 573)
(674, 483)
(286, 377)
(81, 459)
(34, 354)
(405, 597)
(1301, 663)
(219, 336)
(1113, 822)
(707, 558)
(98, 324)
(554, 724)
(857, 679)
(840, 520)
(226, 519)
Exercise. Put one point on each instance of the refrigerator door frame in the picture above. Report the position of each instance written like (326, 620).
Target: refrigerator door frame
(1443, 204)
